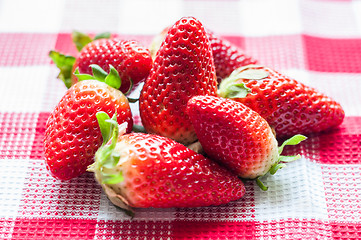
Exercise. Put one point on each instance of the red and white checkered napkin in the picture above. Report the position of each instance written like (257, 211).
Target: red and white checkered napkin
(315, 41)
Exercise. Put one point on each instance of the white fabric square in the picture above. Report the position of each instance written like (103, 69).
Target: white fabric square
(108, 211)
(300, 75)
(264, 17)
(221, 17)
(31, 16)
(47, 197)
(356, 6)
(22, 88)
(328, 18)
(55, 90)
(12, 178)
(96, 17)
(148, 17)
(293, 192)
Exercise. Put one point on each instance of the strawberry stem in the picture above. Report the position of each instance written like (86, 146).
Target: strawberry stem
(260, 184)
(291, 141)
(106, 158)
(112, 79)
(282, 160)
(233, 87)
(65, 64)
(81, 39)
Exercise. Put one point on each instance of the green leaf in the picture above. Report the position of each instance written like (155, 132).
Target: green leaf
(80, 39)
(82, 77)
(113, 78)
(238, 90)
(291, 141)
(254, 74)
(113, 178)
(113, 160)
(98, 73)
(276, 167)
(130, 87)
(261, 185)
(288, 159)
(65, 64)
(106, 157)
(106, 35)
(105, 126)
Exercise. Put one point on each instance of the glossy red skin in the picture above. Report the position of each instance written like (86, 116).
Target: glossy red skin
(233, 134)
(162, 173)
(72, 133)
(227, 57)
(291, 107)
(183, 68)
(131, 60)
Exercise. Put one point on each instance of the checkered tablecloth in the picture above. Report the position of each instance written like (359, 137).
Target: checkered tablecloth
(317, 42)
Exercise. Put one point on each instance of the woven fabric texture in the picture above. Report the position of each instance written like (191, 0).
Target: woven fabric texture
(317, 42)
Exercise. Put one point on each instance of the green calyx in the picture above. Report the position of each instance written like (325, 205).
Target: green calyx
(81, 39)
(106, 159)
(231, 87)
(282, 160)
(65, 64)
(112, 79)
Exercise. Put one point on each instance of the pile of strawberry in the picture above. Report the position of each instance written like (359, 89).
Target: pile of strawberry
(198, 87)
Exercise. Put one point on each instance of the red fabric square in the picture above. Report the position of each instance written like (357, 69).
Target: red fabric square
(64, 44)
(345, 230)
(134, 229)
(20, 49)
(16, 134)
(279, 52)
(47, 228)
(236, 40)
(341, 145)
(214, 229)
(333, 55)
(37, 150)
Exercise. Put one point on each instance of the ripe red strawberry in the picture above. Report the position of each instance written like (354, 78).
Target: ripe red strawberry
(132, 61)
(182, 68)
(72, 133)
(236, 136)
(144, 170)
(289, 106)
(227, 56)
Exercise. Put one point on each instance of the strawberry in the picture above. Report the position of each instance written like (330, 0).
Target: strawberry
(182, 68)
(145, 170)
(289, 106)
(72, 133)
(237, 136)
(132, 61)
(227, 56)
